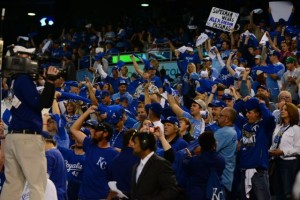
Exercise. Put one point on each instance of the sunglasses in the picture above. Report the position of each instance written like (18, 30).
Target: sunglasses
(101, 127)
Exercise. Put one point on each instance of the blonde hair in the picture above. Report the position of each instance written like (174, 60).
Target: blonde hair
(193, 69)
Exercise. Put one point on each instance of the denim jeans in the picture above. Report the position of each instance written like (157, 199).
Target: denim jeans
(260, 186)
(283, 180)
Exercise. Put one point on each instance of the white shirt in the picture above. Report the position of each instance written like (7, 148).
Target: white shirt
(160, 125)
(290, 141)
(142, 164)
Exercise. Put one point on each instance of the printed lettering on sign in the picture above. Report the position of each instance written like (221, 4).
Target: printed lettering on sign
(222, 19)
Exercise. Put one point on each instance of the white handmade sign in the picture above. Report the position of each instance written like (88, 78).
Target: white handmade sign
(222, 19)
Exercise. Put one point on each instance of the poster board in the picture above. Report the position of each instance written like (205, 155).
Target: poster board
(281, 9)
(222, 19)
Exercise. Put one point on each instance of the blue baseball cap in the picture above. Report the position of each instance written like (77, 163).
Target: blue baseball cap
(135, 75)
(103, 126)
(115, 113)
(123, 98)
(115, 68)
(275, 53)
(104, 93)
(120, 64)
(155, 107)
(91, 123)
(251, 104)
(227, 96)
(261, 86)
(122, 82)
(217, 103)
(72, 83)
(85, 131)
(109, 42)
(172, 120)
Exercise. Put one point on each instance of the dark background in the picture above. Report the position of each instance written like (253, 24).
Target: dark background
(77, 13)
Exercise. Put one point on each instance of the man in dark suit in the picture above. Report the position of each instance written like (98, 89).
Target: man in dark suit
(152, 177)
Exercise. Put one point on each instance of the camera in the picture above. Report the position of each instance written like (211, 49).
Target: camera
(18, 65)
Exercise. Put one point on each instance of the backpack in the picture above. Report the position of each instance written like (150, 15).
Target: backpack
(214, 187)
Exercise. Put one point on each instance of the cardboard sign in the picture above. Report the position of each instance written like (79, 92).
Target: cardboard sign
(222, 19)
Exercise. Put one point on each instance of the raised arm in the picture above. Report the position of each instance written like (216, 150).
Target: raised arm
(75, 128)
(272, 42)
(91, 92)
(136, 66)
(228, 64)
(174, 106)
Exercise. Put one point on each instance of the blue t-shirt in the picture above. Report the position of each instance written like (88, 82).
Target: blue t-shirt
(74, 164)
(226, 138)
(272, 84)
(95, 176)
(226, 77)
(116, 139)
(122, 175)
(194, 58)
(57, 171)
(61, 136)
(197, 126)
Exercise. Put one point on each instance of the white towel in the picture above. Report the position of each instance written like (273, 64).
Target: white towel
(248, 183)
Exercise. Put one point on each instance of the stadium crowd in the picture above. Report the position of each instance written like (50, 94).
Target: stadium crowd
(231, 113)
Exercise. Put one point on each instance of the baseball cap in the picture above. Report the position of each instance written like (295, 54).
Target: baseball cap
(290, 60)
(200, 102)
(120, 64)
(257, 57)
(251, 104)
(275, 53)
(122, 82)
(217, 103)
(85, 131)
(135, 75)
(91, 123)
(109, 42)
(104, 93)
(261, 86)
(123, 98)
(172, 120)
(114, 113)
(72, 83)
(207, 59)
(227, 96)
(155, 107)
(103, 126)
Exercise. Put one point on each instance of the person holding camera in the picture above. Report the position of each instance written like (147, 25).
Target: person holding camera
(24, 150)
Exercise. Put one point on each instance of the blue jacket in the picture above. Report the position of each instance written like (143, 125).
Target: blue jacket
(256, 138)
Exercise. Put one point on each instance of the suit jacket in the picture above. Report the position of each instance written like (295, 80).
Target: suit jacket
(156, 181)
